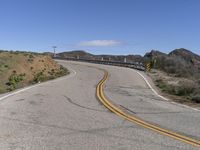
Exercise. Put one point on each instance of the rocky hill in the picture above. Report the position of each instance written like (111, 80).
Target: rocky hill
(180, 62)
(154, 54)
(188, 56)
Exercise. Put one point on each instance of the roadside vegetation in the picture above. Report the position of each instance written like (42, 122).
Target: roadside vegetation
(184, 90)
(19, 69)
(177, 74)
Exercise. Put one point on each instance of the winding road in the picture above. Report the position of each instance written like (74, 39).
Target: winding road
(96, 107)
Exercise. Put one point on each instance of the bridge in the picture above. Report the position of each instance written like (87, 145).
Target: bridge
(134, 65)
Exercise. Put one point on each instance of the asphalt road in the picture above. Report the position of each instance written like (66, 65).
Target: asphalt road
(64, 114)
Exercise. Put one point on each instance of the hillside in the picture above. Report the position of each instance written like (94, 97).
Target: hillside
(179, 62)
(177, 74)
(19, 69)
(75, 54)
(188, 56)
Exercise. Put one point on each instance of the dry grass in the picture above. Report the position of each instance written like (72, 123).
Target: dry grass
(28, 64)
(183, 90)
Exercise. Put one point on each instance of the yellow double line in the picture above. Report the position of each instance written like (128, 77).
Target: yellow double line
(101, 96)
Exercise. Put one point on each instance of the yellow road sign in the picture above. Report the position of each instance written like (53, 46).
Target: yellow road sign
(148, 67)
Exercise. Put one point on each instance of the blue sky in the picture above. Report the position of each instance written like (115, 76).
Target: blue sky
(100, 26)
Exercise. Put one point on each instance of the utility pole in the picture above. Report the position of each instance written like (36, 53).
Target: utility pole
(54, 50)
(125, 60)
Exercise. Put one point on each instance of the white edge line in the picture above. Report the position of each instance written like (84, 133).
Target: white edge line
(166, 99)
(147, 82)
(33, 86)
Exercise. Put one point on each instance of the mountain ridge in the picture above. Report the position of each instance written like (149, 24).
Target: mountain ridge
(181, 62)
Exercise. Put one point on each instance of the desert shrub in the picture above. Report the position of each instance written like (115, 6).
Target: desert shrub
(49, 72)
(160, 83)
(61, 72)
(52, 70)
(195, 98)
(31, 56)
(175, 65)
(39, 77)
(163, 86)
(14, 80)
(30, 60)
(187, 87)
(183, 89)
(26, 54)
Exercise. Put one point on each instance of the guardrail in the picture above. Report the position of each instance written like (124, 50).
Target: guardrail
(134, 65)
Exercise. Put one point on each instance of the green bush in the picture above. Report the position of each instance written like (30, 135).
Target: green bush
(39, 77)
(14, 80)
(63, 71)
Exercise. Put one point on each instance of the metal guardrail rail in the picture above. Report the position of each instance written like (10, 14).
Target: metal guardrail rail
(134, 65)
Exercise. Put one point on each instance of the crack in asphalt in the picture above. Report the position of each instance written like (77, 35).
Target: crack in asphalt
(81, 106)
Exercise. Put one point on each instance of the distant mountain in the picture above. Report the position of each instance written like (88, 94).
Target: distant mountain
(184, 53)
(154, 53)
(75, 54)
(85, 55)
